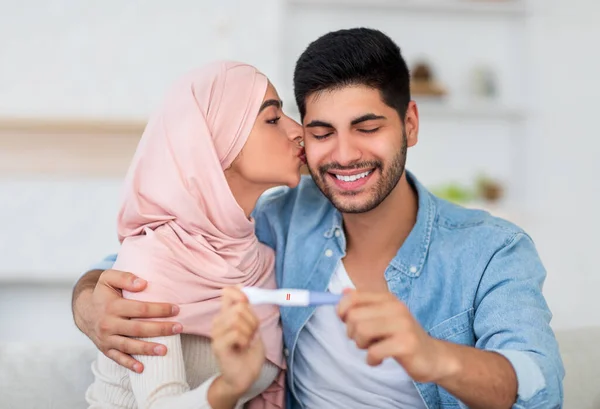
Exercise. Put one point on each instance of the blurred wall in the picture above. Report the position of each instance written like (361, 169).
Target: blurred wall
(113, 60)
(562, 152)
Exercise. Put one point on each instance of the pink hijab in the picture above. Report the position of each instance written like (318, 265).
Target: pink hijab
(180, 226)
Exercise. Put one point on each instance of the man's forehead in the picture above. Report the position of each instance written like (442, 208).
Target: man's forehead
(356, 97)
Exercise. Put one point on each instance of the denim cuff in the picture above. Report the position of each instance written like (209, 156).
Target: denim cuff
(105, 264)
(530, 378)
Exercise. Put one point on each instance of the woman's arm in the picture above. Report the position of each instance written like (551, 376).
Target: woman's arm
(163, 384)
(238, 349)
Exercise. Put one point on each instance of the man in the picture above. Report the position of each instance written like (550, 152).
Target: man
(447, 308)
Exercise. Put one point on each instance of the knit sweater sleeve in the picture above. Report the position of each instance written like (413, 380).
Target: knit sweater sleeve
(166, 380)
(163, 384)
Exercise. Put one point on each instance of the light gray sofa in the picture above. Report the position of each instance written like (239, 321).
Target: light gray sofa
(580, 350)
(56, 376)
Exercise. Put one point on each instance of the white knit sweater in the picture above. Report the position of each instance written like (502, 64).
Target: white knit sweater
(180, 379)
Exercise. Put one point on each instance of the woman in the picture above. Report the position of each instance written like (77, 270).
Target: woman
(218, 142)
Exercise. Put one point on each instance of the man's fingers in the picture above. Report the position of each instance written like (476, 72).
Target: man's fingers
(357, 299)
(381, 350)
(125, 360)
(370, 316)
(146, 329)
(142, 309)
(367, 313)
(364, 333)
(132, 346)
(137, 347)
(353, 299)
(350, 300)
(122, 280)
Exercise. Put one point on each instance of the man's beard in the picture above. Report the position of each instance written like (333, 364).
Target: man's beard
(389, 178)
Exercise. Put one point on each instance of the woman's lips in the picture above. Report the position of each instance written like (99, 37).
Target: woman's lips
(302, 155)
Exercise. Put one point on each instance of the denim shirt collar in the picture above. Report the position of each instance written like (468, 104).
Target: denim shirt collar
(412, 254)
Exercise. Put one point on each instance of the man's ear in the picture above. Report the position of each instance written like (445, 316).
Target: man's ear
(411, 124)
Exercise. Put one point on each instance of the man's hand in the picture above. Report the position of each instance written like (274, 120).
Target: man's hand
(108, 319)
(383, 325)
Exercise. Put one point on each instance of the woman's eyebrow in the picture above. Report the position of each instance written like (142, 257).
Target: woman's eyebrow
(317, 123)
(366, 117)
(270, 103)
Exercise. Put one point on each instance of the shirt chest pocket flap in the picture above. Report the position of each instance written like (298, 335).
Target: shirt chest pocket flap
(457, 329)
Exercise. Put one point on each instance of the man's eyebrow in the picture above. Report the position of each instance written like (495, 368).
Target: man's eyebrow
(270, 103)
(317, 123)
(366, 117)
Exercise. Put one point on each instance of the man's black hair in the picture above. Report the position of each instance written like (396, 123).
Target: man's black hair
(357, 56)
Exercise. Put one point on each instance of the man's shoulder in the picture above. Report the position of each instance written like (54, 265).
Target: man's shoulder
(283, 209)
(472, 224)
(470, 244)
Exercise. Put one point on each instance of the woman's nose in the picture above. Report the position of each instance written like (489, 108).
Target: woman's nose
(295, 132)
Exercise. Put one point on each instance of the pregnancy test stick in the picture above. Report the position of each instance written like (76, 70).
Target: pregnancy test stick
(288, 297)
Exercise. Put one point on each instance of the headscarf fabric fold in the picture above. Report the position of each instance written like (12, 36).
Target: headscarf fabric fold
(180, 226)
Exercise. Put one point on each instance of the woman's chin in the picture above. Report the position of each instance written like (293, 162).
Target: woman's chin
(295, 180)
(292, 181)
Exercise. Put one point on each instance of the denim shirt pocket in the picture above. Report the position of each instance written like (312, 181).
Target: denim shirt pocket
(459, 330)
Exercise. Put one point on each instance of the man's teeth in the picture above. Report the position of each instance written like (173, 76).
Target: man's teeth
(352, 178)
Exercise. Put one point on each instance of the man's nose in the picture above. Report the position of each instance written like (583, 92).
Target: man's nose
(345, 152)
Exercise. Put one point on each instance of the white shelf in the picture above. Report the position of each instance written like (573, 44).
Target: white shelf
(491, 7)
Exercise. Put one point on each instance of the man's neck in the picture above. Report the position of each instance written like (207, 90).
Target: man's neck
(382, 231)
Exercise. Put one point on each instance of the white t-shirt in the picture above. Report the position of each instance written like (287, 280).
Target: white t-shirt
(330, 371)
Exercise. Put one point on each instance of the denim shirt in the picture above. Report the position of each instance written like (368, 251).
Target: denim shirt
(467, 277)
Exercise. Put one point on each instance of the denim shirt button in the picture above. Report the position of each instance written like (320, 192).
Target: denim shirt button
(413, 269)
(338, 233)
(286, 352)
(328, 253)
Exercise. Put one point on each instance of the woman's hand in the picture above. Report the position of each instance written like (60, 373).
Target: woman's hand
(237, 344)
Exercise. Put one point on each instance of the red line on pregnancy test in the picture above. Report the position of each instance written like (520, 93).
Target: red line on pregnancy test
(287, 297)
